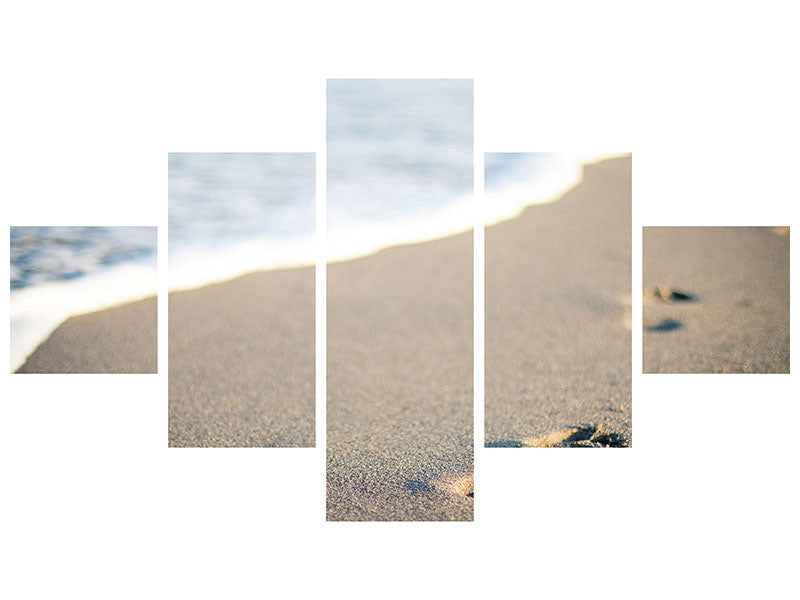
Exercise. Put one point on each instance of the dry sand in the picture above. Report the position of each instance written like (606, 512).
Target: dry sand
(558, 340)
(117, 340)
(399, 409)
(241, 362)
(736, 316)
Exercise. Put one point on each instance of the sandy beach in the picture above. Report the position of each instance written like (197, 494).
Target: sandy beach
(399, 408)
(716, 300)
(121, 339)
(241, 362)
(558, 339)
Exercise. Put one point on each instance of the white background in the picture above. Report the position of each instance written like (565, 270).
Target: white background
(94, 505)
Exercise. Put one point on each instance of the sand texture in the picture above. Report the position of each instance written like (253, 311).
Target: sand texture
(731, 311)
(399, 406)
(241, 362)
(122, 339)
(558, 339)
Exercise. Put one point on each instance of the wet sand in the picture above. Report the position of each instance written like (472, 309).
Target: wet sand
(716, 300)
(241, 362)
(122, 339)
(558, 339)
(399, 410)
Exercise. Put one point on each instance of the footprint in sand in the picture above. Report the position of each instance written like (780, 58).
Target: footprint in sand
(667, 294)
(583, 436)
(462, 486)
(662, 294)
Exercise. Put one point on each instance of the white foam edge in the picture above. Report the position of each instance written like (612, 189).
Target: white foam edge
(196, 267)
(563, 172)
(36, 311)
(193, 268)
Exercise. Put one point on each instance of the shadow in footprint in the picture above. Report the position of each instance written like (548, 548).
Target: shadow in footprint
(417, 487)
(608, 439)
(666, 325)
(678, 296)
(667, 294)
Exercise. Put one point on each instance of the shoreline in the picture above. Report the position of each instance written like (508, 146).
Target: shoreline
(119, 339)
(37, 311)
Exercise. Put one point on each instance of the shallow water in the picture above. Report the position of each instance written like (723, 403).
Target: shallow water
(232, 213)
(42, 254)
(57, 272)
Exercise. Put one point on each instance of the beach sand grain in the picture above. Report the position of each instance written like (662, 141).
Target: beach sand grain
(558, 302)
(734, 313)
(121, 339)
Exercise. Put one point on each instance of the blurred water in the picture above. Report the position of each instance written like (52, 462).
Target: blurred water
(399, 160)
(507, 168)
(40, 254)
(220, 198)
(397, 146)
(57, 272)
(230, 213)
(399, 169)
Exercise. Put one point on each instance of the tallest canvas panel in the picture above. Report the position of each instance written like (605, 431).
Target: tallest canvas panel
(399, 300)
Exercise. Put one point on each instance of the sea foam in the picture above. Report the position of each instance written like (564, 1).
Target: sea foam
(37, 310)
